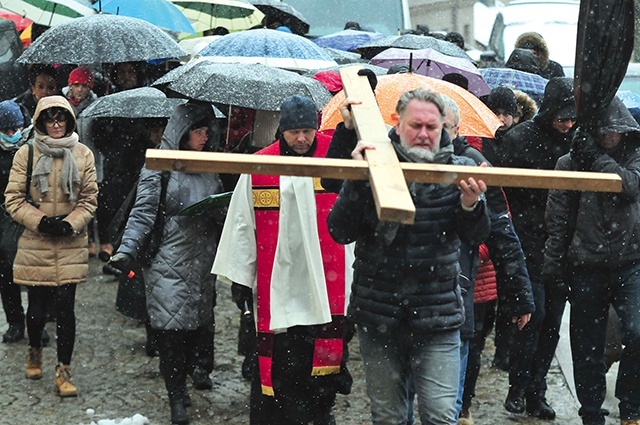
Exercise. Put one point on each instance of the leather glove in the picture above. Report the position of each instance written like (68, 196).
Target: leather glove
(556, 286)
(242, 296)
(584, 150)
(121, 261)
(371, 76)
(55, 226)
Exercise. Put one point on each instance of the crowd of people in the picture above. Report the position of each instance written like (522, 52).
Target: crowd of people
(309, 261)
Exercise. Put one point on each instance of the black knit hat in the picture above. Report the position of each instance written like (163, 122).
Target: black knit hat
(298, 112)
(502, 98)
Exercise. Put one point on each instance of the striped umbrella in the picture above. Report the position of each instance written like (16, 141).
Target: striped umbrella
(49, 12)
(234, 15)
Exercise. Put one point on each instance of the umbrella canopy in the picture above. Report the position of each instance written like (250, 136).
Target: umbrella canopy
(276, 10)
(532, 84)
(234, 15)
(347, 39)
(432, 63)
(475, 118)
(101, 39)
(252, 86)
(49, 12)
(411, 41)
(195, 44)
(343, 57)
(20, 21)
(158, 12)
(268, 47)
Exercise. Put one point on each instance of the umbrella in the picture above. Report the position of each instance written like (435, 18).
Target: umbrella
(101, 38)
(532, 84)
(49, 12)
(276, 10)
(343, 57)
(20, 21)
(195, 44)
(254, 86)
(632, 101)
(347, 39)
(475, 118)
(432, 63)
(158, 12)
(268, 47)
(411, 41)
(234, 15)
(376, 69)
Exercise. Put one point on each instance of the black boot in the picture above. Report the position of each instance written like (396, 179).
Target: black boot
(515, 400)
(178, 410)
(201, 379)
(15, 333)
(537, 406)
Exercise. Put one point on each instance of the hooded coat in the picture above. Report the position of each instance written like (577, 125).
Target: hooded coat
(536, 145)
(180, 288)
(43, 259)
(607, 232)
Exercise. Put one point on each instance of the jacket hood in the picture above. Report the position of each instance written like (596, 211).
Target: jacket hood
(527, 104)
(183, 118)
(52, 102)
(616, 119)
(523, 60)
(534, 41)
(558, 95)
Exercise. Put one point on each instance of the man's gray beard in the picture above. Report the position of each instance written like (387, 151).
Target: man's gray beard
(419, 154)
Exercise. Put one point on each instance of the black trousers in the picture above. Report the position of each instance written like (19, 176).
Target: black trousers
(64, 299)
(10, 294)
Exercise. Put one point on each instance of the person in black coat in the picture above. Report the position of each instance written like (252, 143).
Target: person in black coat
(534, 42)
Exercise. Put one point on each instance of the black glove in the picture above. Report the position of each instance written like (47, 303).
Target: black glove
(55, 226)
(556, 286)
(371, 76)
(584, 150)
(121, 261)
(242, 296)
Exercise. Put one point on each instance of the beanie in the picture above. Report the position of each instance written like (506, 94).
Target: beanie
(81, 75)
(298, 112)
(10, 115)
(502, 98)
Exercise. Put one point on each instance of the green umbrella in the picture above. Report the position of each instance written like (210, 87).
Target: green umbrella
(49, 12)
(234, 15)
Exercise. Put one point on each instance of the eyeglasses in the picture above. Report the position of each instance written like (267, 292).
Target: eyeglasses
(565, 120)
(52, 123)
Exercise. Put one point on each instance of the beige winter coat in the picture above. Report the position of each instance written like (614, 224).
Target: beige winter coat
(44, 259)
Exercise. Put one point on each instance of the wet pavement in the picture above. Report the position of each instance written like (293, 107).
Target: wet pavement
(116, 380)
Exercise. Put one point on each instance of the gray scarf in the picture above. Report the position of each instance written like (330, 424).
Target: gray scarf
(56, 148)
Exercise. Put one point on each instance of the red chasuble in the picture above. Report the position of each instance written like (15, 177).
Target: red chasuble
(329, 336)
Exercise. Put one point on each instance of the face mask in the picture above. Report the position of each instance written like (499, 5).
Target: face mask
(13, 139)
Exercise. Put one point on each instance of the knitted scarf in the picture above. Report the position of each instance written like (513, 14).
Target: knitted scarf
(56, 148)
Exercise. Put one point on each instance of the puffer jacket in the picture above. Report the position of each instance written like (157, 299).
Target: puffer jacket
(607, 232)
(42, 259)
(535, 145)
(179, 285)
(414, 277)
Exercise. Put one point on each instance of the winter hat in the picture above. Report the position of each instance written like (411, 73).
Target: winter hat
(81, 75)
(502, 98)
(10, 115)
(298, 112)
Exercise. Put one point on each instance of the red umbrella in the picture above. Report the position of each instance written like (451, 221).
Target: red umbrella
(20, 21)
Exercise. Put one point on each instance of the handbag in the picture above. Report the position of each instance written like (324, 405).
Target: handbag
(118, 224)
(11, 230)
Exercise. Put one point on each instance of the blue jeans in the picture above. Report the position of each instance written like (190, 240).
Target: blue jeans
(592, 290)
(394, 357)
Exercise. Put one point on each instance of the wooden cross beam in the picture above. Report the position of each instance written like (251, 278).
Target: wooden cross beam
(388, 177)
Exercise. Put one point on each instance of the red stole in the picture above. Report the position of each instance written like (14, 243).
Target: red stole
(329, 337)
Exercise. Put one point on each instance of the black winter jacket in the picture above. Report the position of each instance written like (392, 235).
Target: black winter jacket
(413, 278)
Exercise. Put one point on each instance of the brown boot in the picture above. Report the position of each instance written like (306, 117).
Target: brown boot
(63, 382)
(34, 363)
(630, 421)
(465, 416)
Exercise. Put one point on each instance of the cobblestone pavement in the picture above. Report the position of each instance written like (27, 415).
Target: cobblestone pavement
(117, 380)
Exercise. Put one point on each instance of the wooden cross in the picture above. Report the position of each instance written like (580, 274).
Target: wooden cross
(388, 176)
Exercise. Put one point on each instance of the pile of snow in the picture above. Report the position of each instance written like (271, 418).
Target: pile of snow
(136, 419)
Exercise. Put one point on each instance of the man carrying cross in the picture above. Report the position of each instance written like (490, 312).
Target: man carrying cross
(406, 300)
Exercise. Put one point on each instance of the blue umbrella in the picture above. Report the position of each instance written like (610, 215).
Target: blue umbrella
(268, 47)
(632, 101)
(532, 84)
(347, 39)
(158, 12)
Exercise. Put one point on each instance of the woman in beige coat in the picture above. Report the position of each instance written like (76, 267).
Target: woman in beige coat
(52, 253)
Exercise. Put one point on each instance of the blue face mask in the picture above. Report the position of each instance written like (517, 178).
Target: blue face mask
(11, 139)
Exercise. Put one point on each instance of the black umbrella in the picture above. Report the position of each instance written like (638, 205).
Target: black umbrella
(410, 41)
(604, 47)
(276, 10)
(254, 86)
(101, 39)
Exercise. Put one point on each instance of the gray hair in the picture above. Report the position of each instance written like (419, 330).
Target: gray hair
(420, 94)
(451, 105)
